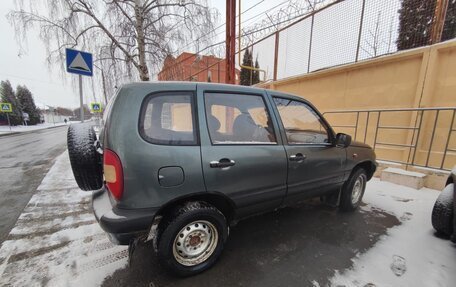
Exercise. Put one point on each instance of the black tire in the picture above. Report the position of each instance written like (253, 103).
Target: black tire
(84, 158)
(174, 223)
(347, 200)
(442, 213)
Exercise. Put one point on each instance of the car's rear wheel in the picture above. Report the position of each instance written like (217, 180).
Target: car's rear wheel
(86, 162)
(442, 213)
(353, 190)
(192, 238)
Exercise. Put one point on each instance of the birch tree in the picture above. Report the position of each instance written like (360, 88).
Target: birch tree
(129, 38)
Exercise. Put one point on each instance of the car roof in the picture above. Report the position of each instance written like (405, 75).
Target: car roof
(213, 86)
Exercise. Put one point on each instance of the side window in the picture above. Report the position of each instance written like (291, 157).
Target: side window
(302, 125)
(238, 119)
(168, 119)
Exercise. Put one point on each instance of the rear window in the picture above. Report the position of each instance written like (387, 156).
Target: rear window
(168, 118)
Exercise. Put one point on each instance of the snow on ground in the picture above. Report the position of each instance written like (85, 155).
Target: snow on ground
(409, 254)
(20, 129)
(56, 241)
(404, 172)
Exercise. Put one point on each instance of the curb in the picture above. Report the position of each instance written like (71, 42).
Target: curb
(28, 132)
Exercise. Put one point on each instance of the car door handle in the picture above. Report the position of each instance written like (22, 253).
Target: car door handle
(299, 157)
(224, 162)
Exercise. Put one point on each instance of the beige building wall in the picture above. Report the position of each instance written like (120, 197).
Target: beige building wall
(423, 77)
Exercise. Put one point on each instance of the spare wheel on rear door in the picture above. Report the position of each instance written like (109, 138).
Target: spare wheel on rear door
(85, 160)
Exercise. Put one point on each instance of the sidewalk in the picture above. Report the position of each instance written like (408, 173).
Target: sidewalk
(56, 240)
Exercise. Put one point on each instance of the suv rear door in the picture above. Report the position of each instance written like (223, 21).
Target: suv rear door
(160, 151)
(242, 152)
(315, 164)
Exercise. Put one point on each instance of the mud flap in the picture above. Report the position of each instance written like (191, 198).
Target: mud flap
(332, 199)
(131, 249)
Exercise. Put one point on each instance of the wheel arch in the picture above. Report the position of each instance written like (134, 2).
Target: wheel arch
(220, 201)
(452, 177)
(450, 180)
(368, 166)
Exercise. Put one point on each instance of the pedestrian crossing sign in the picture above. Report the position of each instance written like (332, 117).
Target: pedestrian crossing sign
(95, 107)
(6, 108)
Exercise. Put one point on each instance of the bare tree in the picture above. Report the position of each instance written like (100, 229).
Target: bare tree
(129, 38)
(373, 45)
(390, 35)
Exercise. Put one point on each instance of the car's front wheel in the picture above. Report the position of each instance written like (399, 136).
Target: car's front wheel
(192, 238)
(353, 190)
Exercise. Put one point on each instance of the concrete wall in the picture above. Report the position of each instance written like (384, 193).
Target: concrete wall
(423, 77)
(50, 118)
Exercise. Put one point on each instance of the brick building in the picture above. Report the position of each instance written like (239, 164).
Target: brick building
(192, 67)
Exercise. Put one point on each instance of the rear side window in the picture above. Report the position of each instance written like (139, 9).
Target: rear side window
(238, 119)
(168, 119)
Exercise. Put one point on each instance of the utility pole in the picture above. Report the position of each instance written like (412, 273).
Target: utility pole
(230, 42)
(441, 8)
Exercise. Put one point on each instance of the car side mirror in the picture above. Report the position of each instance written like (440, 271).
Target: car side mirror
(343, 140)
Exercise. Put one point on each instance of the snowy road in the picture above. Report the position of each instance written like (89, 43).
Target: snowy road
(389, 242)
(25, 160)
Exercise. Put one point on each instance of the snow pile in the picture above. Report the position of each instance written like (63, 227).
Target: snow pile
(56, 241)
(410, 254)
(404, 172)
(20, 129)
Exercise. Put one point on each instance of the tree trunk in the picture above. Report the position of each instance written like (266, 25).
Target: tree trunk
(104, 87)
(143, 70)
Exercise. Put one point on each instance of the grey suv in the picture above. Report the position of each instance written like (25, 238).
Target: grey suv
(179, 162)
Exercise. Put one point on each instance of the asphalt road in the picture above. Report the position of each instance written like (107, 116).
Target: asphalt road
(24, 161)
(295, 246)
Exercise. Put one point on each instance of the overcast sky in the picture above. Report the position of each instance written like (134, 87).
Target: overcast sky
(31, 69)
(48, 87)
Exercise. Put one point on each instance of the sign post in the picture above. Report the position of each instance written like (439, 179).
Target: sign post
(81, 112)
(96, 109)
(26, 118)
(7, 108)
(78, 62)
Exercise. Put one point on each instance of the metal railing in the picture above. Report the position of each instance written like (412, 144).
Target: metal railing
(411, 142)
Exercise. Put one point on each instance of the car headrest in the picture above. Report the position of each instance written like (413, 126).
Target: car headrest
(213, 122)
(244, 127)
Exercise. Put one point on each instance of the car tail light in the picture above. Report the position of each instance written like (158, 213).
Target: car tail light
(113, 173)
